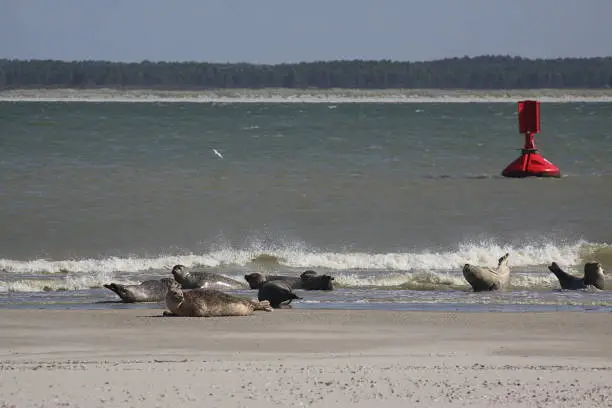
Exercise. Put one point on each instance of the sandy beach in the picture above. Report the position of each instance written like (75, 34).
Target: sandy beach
(318, 358)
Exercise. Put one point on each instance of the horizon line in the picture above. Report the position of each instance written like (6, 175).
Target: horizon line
(395, 61)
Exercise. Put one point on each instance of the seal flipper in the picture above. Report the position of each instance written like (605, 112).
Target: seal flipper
(291, 297)
(121, 291)
(262, 305)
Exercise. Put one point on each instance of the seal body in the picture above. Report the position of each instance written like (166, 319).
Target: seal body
(147, 291)
(593, 276)
(210, 302)
(308, 280)
(487, 279)
(277, 292)
(207, 280)
(567, 281)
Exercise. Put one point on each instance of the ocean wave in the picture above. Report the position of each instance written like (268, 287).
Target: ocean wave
(417, 280)
(71, 282)
(333, 96)
(299, 256)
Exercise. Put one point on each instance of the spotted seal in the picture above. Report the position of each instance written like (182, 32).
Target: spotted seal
(209, 302)
(485, 278)
(207, 280)
(147, 291)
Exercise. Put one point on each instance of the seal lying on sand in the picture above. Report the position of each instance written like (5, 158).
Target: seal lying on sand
(147, 291)
(209, 302)
(484, 278)
(309, 280)
(593, 276)
(208, 280)
(276, 292)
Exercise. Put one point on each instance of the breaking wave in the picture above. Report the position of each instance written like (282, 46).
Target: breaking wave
(424, 270)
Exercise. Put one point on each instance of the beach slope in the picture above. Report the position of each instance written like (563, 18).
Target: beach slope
(318, 358)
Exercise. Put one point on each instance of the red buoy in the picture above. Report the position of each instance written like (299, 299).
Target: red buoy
(530, 163)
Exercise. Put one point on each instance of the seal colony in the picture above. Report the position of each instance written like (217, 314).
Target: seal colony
(199, 293)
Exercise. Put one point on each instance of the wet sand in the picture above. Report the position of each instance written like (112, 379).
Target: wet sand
(318, 358)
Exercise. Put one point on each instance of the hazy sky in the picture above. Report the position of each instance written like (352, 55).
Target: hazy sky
(271, 31)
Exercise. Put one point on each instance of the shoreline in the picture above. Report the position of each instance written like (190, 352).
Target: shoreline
(288, 95)
(318, 358)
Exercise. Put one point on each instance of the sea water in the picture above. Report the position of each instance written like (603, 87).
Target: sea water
(392, 199)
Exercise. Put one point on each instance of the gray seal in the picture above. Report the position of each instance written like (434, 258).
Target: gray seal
(593, 276)
(207, 280)
(277, 292)
(255, 280)
(147, 291)
(308, 280)
(209, 302)
(485, 278)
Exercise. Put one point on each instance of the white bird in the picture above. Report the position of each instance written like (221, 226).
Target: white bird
(215, 151)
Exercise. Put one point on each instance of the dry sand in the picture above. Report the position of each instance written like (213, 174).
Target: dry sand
(318, 358)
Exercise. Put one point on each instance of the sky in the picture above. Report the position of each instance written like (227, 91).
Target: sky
(275, 31)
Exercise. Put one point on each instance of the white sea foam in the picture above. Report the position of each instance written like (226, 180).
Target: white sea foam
(333, 96)
(301, 257)
(70, 282)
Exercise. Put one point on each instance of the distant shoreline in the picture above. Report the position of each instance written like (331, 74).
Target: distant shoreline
(286, 95)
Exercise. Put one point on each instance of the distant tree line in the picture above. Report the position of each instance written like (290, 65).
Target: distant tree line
(484, 72)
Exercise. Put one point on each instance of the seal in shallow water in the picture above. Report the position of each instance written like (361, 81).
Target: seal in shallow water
(566, 280)
(311, 281)
(277, 292)
(256, 279)
(308, 280)
(147, 291)
(209, 302)
(593, 276)
(207, 280)
(484, 278)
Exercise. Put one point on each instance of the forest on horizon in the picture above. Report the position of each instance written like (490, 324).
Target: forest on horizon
(483, 72)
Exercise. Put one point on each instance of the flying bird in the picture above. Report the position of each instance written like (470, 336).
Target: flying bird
(215, 151)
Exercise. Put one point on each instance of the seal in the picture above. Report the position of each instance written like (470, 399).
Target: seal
(567, 281)
(308, 280)
(209, 302)
(147, 291)
(593, 276)
(485, 279)
(311, 281)
(208, 280)
(255, 280)
(276, 292)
